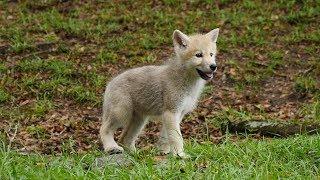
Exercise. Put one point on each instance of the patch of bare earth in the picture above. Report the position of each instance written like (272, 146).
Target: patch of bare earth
(75, 127)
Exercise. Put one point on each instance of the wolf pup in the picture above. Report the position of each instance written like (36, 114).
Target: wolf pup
(165, 92)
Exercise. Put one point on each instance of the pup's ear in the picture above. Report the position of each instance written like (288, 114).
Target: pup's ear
(180, 40)
(213, 35)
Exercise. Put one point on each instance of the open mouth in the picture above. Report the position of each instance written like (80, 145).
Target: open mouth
(205, 76)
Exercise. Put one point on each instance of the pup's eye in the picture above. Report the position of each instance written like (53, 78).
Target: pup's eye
(211, 54)
(199, 55)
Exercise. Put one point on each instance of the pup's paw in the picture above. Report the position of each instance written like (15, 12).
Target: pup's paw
(183, 155)
(130, 148)
(113, 150)
(164, 148)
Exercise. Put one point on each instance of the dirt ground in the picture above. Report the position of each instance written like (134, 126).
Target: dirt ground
(57, 56)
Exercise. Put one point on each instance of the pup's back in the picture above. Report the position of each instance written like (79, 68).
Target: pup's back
(141, 88)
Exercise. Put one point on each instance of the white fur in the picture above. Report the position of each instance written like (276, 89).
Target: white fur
(165, 92)
(190, 100)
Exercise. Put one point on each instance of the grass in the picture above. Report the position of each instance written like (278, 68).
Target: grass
(262, 47)
(306, 84)
(132, 39)
(37, 131)
(107, 57)
(293, 158)
(81, 94)
(311, 111)
(4, 96)
(41, 107)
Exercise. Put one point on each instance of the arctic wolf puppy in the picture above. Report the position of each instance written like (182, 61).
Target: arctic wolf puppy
(165, 92)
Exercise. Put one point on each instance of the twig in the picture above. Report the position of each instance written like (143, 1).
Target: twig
(11, 139)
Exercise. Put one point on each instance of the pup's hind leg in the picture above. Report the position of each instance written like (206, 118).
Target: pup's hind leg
(131, 132)
(107, 137)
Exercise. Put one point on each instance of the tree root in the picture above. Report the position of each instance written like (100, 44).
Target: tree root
(271, 129)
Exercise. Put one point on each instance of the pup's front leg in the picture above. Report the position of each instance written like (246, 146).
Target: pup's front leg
(163, 143)
(171, 122)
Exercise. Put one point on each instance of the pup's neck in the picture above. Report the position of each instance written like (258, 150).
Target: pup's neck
(180, 72)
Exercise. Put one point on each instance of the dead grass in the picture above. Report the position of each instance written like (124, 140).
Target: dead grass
(56, 57)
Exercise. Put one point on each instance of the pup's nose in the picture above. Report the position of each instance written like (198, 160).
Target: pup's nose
(213, 67)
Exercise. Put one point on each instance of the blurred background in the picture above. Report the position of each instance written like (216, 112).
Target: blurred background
(57, 56)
